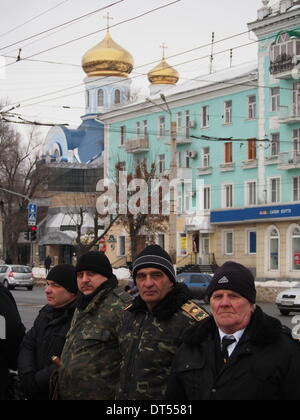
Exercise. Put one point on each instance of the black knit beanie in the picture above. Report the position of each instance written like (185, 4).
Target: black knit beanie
(235, 277)
(156, 257)
(65, 276)
(95, 261)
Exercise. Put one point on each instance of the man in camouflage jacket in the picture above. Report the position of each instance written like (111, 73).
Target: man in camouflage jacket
(90, 363)
(153, 327)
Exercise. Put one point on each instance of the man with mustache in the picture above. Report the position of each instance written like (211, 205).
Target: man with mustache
(89, 366)
(239, 353)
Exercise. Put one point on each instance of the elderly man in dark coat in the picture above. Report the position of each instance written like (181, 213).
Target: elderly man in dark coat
(239, 353)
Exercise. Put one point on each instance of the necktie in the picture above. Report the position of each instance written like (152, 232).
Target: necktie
(226, 342)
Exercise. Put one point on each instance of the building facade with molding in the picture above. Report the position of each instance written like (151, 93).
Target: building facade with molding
(238, 141)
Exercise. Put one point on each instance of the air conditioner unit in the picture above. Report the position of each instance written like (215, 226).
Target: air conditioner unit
(192, 124)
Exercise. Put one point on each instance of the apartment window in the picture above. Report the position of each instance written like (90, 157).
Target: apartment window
(251, 107)
(123, 134)
(122, 246)
(138, 130)
(187, 124)
(252, 242)
(187, 159)
(228, 243)
(179, 121)
(252, 149)
(161, 164)
(205, 157)
(205, 116)
(228, 152)
(88, 98)
(274, 249)
(296, 142)
(296, 100)
(100, 97)
(275, 144)
(162, 127)
(206, 193)
(161, 240)
(117, 97)
(251, 193)
(228, 196)
(275, 99)
(275, 190)
(296, 188)
(145, 128)
(228, 112)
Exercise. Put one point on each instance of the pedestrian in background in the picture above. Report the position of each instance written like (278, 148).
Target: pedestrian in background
(11, 334)
(90, 363)
(47, 337)
(239, 353)
(47, 264)
(154, 326)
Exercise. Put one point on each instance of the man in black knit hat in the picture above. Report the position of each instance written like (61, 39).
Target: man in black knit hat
(48, 335)
(90, 363)
(154, 326)
(239, 353)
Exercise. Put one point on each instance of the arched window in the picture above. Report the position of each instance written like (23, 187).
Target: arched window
(117, 99)
(100, 97)
(87, 98)
(274, 249)
(296, 248)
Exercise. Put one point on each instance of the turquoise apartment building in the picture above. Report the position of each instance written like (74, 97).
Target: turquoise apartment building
(238, 140)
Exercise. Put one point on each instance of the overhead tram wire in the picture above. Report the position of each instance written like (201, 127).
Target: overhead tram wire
(32, 19)
(63, 24)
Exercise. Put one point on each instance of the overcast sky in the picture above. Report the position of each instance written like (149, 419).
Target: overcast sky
(185, 25)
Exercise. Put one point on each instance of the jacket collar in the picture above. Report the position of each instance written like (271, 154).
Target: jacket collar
(165, 309)
(262, 329)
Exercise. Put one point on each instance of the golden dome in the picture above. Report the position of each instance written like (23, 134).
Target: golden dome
(163, 74)
(107, 59)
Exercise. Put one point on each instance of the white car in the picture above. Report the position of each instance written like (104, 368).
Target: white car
(289, 300)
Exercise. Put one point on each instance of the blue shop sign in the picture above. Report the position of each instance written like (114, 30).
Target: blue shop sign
(257, 214)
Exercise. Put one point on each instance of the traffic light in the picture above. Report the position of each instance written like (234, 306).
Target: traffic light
(33, 231)
(27, 235)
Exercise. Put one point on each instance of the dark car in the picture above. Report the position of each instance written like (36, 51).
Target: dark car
(196, 282)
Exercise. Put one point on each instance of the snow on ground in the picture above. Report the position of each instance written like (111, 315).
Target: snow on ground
(273, 283)
(120, 273)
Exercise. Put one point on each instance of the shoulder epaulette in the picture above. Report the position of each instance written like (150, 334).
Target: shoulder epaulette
(127, 308)
(194, 311)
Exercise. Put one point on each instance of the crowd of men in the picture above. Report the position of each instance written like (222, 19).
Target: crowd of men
(93, 341)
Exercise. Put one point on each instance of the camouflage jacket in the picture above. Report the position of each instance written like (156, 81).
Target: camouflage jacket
(149, 341)
(90, 361)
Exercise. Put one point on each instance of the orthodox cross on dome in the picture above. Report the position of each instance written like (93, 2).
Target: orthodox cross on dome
(108, 18)
(164, 47)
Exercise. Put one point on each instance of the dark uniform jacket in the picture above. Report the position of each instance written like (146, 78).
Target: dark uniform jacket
(149, 341)
(265, 364)
(44, 340)
(11, 335)
(90, 363)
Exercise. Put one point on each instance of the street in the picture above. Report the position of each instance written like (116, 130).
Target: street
(30, 303)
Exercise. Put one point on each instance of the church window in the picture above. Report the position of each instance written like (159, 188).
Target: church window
(117, 100)
(100, 97)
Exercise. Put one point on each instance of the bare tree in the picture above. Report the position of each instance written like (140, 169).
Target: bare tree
(18, 173)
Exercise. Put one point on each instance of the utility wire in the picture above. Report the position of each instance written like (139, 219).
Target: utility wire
(31, 20)
(62, 24)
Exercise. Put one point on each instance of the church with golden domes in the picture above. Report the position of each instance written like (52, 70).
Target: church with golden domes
(107, 87)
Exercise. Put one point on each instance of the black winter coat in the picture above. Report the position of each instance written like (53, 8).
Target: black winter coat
(44, 340)
(13, 330)
(265, 365)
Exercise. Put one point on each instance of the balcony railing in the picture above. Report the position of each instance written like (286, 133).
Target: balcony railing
(289, 160)
(139, 145)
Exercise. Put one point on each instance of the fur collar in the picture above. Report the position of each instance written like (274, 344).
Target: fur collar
(178, 296)
(262, 329)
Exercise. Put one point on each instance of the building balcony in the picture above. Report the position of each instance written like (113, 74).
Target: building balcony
(289, 114)
(185, 173)
(289, 160)
(139, 145)
(284, 67)
(205, 170)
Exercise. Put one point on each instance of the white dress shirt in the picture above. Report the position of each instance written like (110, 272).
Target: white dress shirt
(237, 335)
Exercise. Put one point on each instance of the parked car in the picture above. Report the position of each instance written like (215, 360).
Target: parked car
(196, 282)
(12, 276)
(289, 300)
